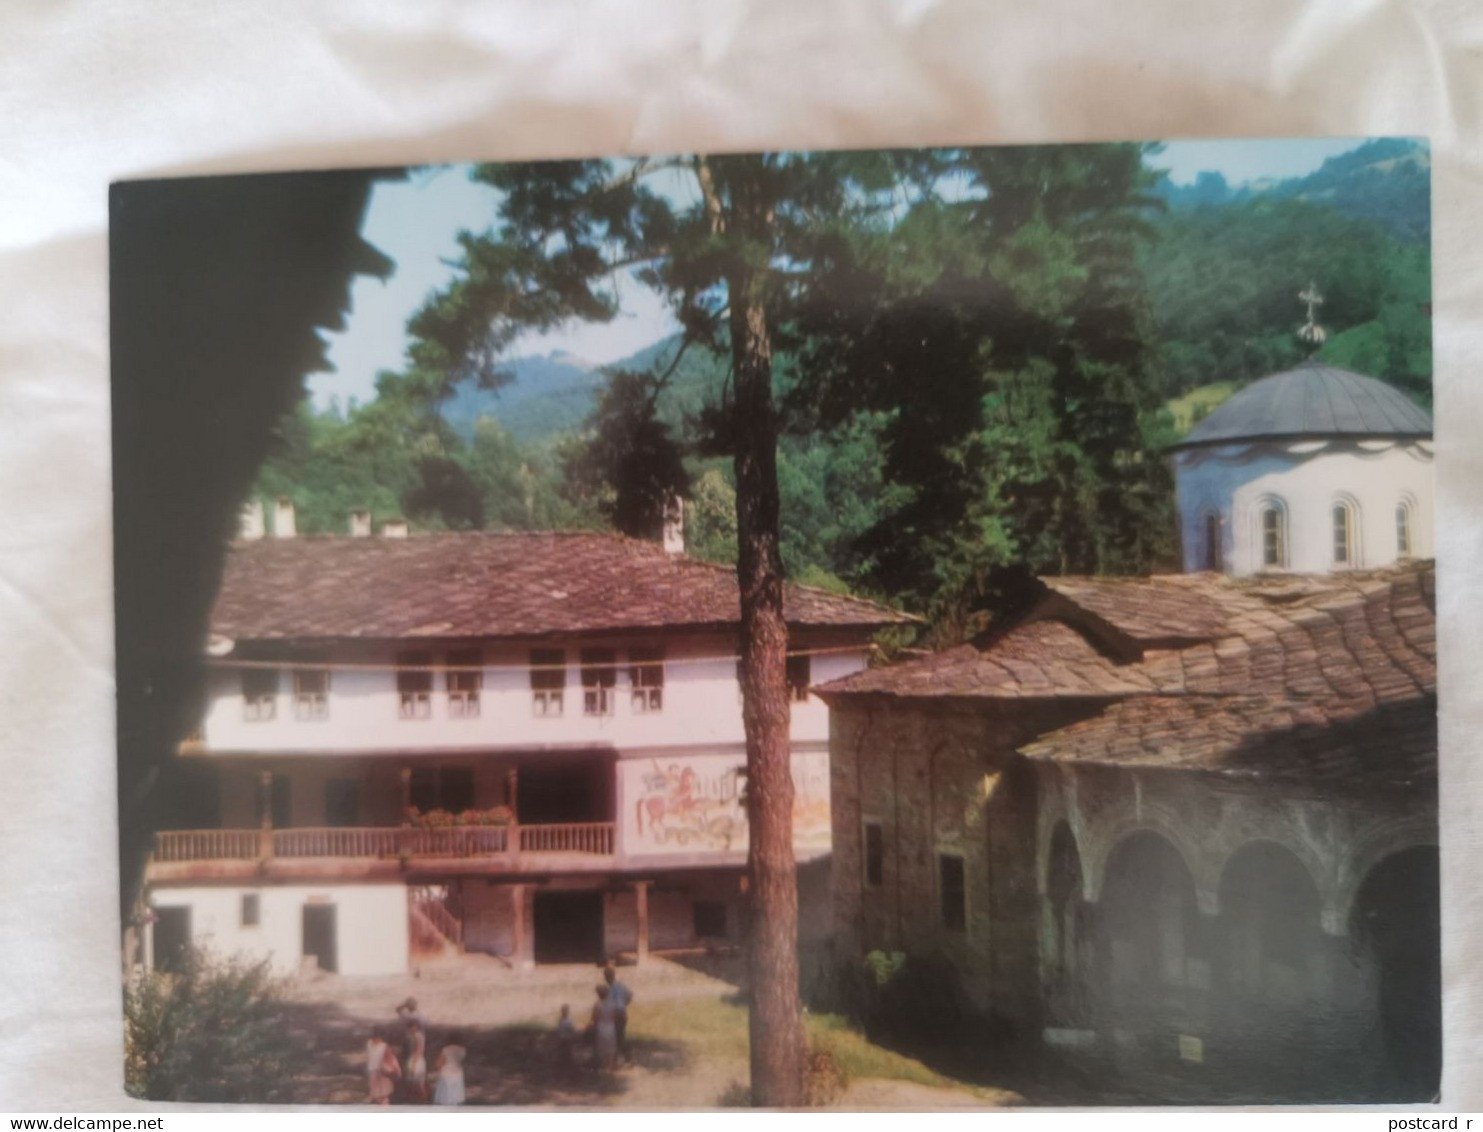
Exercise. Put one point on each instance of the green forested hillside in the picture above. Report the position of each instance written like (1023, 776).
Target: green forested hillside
(984, 383)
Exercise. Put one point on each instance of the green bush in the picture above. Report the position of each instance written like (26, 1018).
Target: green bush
(213, 1032)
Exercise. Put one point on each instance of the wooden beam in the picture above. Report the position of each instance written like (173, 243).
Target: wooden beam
(641, 900)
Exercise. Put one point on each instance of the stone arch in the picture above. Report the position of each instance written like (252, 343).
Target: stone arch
(1395, 936)
(1097, 850)
(1148, 919)
(1271, 939)
(1370, 846)
(1406, 512)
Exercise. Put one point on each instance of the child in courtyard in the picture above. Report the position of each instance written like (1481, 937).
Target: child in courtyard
(449, 1070)
(566, 1042)
(621, 997)
(382, 1069)
(414, 1080)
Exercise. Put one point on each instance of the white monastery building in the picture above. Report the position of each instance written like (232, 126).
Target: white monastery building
(1310, 471)
(529, 745)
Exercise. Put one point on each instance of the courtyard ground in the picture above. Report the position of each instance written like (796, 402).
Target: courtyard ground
(687, 1037)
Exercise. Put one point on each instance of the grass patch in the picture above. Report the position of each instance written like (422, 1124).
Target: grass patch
(1197, 404)
(712, 1030)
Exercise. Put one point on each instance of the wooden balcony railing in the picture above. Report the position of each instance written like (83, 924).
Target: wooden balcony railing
(385, 842)
(573, 837)
(336, 842)
(207, 845)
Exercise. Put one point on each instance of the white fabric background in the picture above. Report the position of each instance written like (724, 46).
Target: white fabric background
(95, 92)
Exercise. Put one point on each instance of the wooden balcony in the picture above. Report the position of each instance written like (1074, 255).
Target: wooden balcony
(373, 851)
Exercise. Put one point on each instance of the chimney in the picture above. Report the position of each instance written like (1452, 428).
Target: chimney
(360, 523)
(283, 517)
(394, 528)
(250, 524)
(674, 526)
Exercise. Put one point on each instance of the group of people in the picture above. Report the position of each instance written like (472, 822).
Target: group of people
(406, 1079)
(397, 1068)
(607, 1029)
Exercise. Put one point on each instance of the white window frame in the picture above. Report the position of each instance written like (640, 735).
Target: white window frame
(464, 680)
(414, 704)
(646, 680)
(312, 706)
(1271, 505)
(598, 695)
(547, 703)
(263, 706)
(1352, 550)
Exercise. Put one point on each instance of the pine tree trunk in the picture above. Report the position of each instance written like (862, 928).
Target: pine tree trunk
(776, 1030)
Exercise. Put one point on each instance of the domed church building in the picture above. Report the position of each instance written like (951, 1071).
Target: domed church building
(1309, 471)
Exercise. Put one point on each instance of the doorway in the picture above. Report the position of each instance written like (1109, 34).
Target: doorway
(568, 927)
(320, 936)
(172, 939)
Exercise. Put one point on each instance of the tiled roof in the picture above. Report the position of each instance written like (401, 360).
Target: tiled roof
(1203, 670)
(1332, 741)
(1313, 400)
(490, 585)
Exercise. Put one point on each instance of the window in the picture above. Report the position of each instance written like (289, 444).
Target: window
(1402, 530)
(251, 910)
(1343, 516)
(799, 678)
(1274, 536)
(465, 681)
(311, 693)
(646, 674)
(414, 685)
(1212, 542)
(710, 919)
(547, 680)
(259, 694)
(875, 847)
(342, 802)
(954, 895)
(599, 676)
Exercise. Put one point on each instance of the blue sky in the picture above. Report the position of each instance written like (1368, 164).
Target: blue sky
(416, 223)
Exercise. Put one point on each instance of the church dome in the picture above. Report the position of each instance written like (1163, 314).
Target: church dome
(1313, 400)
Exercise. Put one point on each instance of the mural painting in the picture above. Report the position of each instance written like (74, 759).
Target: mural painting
(697, 804)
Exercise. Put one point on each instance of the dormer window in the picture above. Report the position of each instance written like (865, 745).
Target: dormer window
(465, 678)
(547, 681)
(599, 678)
(1402, 530)
(646, 675)
(311, 694)
(800, 676)
(1274, 536)
(414, 685)
(259, 694)
(1343, 519)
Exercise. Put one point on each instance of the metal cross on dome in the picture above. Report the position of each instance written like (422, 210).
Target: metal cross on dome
(1310, 331)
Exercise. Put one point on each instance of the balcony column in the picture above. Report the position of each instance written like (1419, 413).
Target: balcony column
(641, 907)
(265, 811)
(522, 946)
(404, 838)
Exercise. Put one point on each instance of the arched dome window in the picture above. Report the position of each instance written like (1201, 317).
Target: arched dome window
(1274, 534)
(1343, 527)
(1402, 530)
(1210, 532)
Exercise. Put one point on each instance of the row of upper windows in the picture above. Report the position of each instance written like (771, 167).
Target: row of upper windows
(464, 683)
(1343, 523)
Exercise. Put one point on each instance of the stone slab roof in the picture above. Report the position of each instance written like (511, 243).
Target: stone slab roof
(520, 585)
(1313, 400)
(1207, 671)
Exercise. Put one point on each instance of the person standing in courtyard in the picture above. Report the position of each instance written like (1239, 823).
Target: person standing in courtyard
(621, 996)
(414, 1069)
(605, 1029)
(382, 1069)
(449, 1089)
(566, 1042)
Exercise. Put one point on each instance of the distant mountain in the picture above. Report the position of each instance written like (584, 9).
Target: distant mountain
(555, 393)
(551, 393)
(1386, 181)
